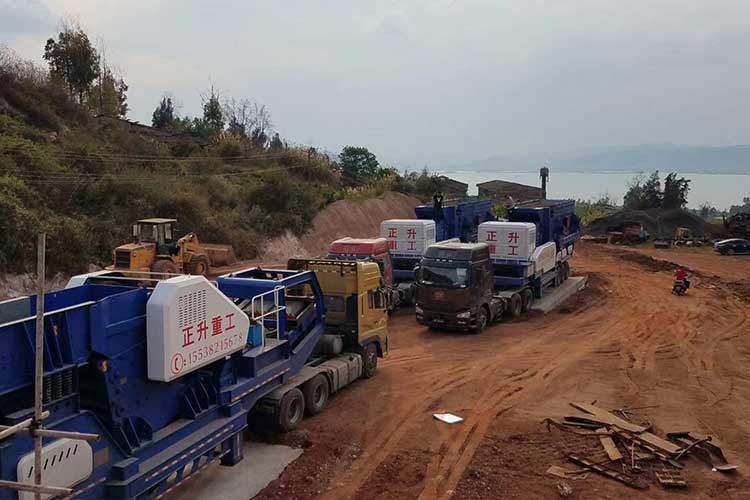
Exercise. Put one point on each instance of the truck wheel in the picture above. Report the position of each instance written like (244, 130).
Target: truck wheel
(482, 319)
(198, 266)
(516, 305)
(527, 300)
(316, 394)
(370, 360)
(566, 270)
(291, 410)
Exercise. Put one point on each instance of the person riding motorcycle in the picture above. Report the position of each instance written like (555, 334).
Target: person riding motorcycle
(681, 283)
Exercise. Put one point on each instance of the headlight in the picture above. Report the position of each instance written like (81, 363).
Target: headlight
(418, 309)
(464, 315)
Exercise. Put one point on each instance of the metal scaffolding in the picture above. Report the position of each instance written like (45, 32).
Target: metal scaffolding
(34, 426)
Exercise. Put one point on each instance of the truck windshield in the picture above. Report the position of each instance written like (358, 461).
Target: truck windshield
(457, 277)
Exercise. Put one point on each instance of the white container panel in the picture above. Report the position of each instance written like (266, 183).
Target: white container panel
(189, 324)
(545, 258)
(408, 236)
(508, 240)
(407, 229)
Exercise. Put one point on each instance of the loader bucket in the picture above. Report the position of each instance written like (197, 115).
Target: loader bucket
(220, 255)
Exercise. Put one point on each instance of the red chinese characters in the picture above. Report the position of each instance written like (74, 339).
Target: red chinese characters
(202, 330)
(187, 336)
(513, 243)
(411, 234)
(199, 331)
(216, 326)
(393, 232)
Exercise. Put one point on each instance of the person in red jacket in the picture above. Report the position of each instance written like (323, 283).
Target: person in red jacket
(680, 274)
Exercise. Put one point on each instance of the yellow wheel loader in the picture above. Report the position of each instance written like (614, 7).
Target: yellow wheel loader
(157, 249)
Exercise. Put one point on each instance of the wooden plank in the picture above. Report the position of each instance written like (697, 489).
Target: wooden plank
(610, 473)
(628, 436)
(659, 443)
(608, 418)
(610, 447)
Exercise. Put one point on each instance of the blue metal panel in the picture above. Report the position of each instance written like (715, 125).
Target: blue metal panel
(96, 372)
(460, 219)
(555, 220)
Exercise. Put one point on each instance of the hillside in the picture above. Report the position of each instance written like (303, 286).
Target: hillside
(84, 180)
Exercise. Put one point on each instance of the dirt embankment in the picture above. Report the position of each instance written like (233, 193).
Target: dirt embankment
(358, 219)
(659, 222)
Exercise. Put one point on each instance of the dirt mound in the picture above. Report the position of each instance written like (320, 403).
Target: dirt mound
(658, 222)
(358, 219)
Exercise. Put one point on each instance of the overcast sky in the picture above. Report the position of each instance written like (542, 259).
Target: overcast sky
(432, 81)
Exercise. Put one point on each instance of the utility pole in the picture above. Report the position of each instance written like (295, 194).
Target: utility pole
(36, 423)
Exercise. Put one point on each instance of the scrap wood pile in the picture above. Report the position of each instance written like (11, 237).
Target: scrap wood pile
(631, 453)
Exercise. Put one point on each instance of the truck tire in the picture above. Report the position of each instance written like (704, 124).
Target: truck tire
(566, 270)
(527, 300)
(198, 266)
(515, 308)
(291, 410)
(316, 392)
(482, 320)
(370, 360)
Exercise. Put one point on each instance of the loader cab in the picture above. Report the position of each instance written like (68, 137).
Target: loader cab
(162, 232)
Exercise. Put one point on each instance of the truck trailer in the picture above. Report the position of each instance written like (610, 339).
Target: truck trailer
(466, 286)
(168, 376)
(402, 242)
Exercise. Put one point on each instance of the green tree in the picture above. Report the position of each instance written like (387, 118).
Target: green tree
(357, 164)
(675, 191)
(164, 115)
(213, 114)
(73, 60)
(109, 95)
(643, 193)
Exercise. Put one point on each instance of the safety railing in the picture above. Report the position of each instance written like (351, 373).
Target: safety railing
(259, 314)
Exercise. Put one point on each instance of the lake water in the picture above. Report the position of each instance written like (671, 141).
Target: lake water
(719, 190)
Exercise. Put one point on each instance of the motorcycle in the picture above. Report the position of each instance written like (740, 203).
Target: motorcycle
(680, 287)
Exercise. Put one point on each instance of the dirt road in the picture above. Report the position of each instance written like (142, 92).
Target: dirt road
(625, 341)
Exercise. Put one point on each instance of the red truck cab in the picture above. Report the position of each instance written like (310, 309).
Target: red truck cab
(372, 249)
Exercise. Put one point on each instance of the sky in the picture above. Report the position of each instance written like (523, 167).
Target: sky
(431, 82)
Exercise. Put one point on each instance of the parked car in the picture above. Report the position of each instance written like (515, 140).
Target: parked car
(733, 246)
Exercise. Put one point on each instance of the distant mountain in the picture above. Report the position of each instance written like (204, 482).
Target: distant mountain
(642, 158)
(684, 159)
